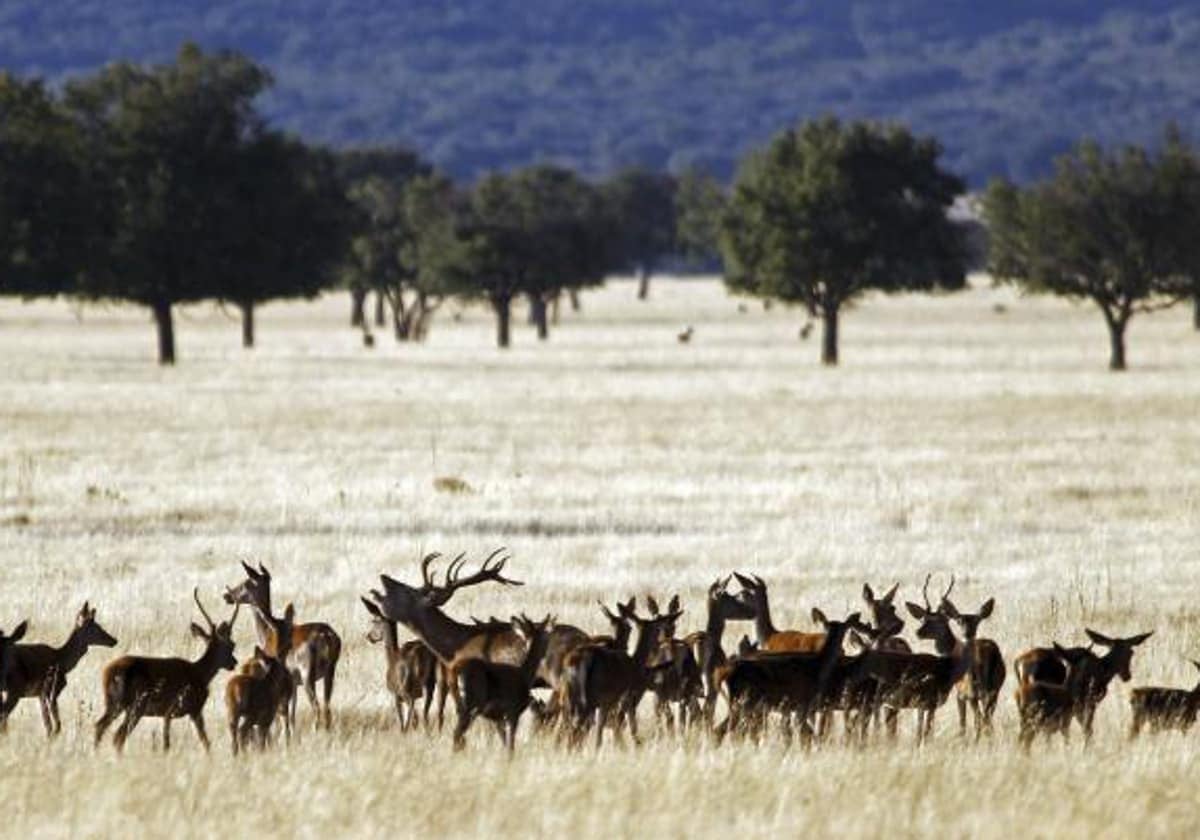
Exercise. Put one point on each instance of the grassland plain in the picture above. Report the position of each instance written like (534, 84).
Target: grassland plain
(976, 434)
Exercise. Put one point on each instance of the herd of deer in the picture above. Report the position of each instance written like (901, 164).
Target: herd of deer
(491, 668)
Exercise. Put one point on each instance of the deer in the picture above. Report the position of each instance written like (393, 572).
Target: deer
(979, 688)
(793, 683)
(770, 639)
(1070, 683)
(605, 685)
(412, 669)
(674, 673)
(498, 691)
(1164, 708)
(924, 681)
(255, 697)
(315, 646)
(41, 670)
(144, 686)
(722, 607)
(7, 642)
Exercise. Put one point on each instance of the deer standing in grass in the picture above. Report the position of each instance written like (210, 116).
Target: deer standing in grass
(563, 648)
(722, 607)
(315, 646)
(498, 691)
(41, 670)
(1057, 685)
(674, 676)
(605, 685)
(256, 696)
(771, 639)
(144, 686)
(412, 669)
(1164, 708)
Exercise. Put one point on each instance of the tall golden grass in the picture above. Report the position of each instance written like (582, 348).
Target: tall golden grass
(957, 437)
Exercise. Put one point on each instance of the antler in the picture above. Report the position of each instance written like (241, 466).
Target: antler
(426, 577)
(949, 589)
(925, 593)
(204, 612)
(488, 571)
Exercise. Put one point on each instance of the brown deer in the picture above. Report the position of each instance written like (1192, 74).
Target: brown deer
(41, 670)
(255, 697)
(674, 673)
(604, 685)
(1164, 708)
(498, 691)
(792, 683)
(770, 639)
(722, 607)
(144, 686)
(561, 648)
(315, 646)
(411, 668)
(1069, 682)
(924, 681)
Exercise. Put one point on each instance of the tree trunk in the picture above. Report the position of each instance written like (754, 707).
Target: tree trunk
(1116, 339)
(503, 309)
(829, 336)
(380, 315)
(358, 300)
(401, 324)
(1196, 311)
(554, 307)
(573, 294)
(643, 283)
(247, 307)
(537, 313)
(166, 332)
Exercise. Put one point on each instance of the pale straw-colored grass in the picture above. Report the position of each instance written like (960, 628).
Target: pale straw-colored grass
(612, 460)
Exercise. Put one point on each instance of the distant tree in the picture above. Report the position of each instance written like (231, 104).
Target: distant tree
(289, 225)
(164, 140)
(46, 223)
(531, 233)
(700, 203)
(829, 211)
(1117, 228)
(643, 206)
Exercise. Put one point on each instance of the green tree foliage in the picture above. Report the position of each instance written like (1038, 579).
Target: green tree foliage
(46, 222)
(165, 140)
(533, 233)
(700, 204)
(829, 211)
(1117, 228)
(642, 204)
(289, 224)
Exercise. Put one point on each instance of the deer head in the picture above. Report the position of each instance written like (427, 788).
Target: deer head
(1120, 651)
(254, 591)
(88, 631)
(884, 618)
(217, 637)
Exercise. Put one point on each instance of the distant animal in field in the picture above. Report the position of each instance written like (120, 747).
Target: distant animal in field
(685, 335)
(806, 331)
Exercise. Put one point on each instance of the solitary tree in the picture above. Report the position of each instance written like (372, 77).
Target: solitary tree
(829, 211)
(643, 206)
(164, 139)
(1117, 228)
(46, 223)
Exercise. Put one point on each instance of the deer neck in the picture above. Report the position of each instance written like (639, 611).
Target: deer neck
(206, 667)
(73, 649)
(440, 633)
(764, 628)
(264, 620)
(831, 652)
(533, 658)
(963, 654)
(391, 639)
(645, 641)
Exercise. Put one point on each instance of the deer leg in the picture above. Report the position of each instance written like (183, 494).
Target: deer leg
(427, 696)
(460, 728)
(1136, 726)
(44, 704)
(198, 722)
(233, 735)
(54, 711)
(962, 715)
(329, 679)
(101, 726)
(601, 722)
(310, 690)
(166, 733)
(399, 702)
(443, 689)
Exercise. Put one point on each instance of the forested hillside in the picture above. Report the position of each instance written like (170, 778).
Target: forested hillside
(597, 84)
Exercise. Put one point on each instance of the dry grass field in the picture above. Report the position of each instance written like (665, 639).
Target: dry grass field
(955, 438)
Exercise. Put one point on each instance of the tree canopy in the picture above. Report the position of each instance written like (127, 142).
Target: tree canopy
(829, 211)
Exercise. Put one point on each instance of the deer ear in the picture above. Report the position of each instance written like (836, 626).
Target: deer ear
(1196, 663)
(915, 610)
(746, 582)
(18, 632)
(652, 605)
(986, 610)
(289, 613)
(891, 593)
(818, 616)
(370, 605)
(673, 604)
(199, 632)
(868, 594)
(853, 619)
(1098, 638)
(1134, 641)
(250, 573)
(263, 571)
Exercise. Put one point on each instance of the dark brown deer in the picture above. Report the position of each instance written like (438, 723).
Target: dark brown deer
(1164, 708)
(791, 683)
(1071, 682)
(561, 647)
(315, 646)
(41, 670)
(674, 673)
(498, 691)
(605, 685)
(254, 698)
(412, 669)
(979, 688)
(144, 686)
(722, 607)
(771, 639)
(7, 642)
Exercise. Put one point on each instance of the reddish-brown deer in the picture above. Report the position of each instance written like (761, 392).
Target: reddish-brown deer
(1164, 708)
(315, 646)
(41, 670)
(144, 686)
(771, 639)
(254, 698)
(498, 691)
(412, 669)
